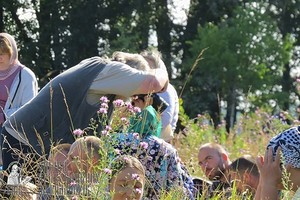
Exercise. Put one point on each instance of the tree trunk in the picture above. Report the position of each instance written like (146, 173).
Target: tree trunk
(231, 110)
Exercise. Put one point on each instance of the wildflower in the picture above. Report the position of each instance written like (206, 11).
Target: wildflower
(107, 171)
(129, 105)
(104, 99)
(138, 190)
(108, 128)
(124, 119)
(78, 132)
(117, 151)
(144, 145)
(73, 183)
(118, 102)
(104, 105)
(135, 176)
(136, 110)
(104, 132)
(136, 135)
(102, 111)
(74, 198)
(126, 159)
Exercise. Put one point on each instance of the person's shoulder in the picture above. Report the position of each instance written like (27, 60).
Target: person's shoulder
(27, 72)
(169, 93)
(151, 110)
(172, 90)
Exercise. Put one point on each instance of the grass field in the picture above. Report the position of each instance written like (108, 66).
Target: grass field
(249, 136)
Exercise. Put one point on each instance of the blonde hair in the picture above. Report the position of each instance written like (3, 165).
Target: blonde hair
(60, 148)
(133, 60)
(92, 146)
(125, 161)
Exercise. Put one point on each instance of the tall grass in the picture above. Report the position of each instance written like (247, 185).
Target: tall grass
(249, 136)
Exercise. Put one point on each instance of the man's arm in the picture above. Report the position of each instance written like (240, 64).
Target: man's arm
(156, 81)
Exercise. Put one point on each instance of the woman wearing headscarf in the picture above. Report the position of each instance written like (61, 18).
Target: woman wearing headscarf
(18, 83)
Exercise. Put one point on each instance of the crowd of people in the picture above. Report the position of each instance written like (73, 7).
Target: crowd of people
(62, 130)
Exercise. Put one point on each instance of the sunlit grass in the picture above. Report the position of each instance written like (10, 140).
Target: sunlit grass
(249, 136)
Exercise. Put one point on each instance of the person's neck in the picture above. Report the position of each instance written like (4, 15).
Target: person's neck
(4, 68)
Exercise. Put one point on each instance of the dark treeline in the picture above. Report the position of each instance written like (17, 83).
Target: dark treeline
(249, 47)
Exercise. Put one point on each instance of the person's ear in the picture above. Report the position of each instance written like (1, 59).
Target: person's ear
(224, 156)
(246, 178)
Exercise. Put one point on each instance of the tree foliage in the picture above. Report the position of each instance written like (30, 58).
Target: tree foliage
(244, 55)
(252, 47)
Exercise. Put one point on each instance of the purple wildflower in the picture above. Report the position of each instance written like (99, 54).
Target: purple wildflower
(118, 102)
(108, 128)
(144, 145)
(135, 176)
(104, 105)
(78, 132)
(136, 135)
(107, 171)
(104, 132)
(73, 183)
(102, 110)
(104, 99)
(129, 105)
(136, 110)
(138, 190)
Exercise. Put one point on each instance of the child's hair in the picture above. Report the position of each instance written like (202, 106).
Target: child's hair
(124, 161)
(245, 164)
(60, 148)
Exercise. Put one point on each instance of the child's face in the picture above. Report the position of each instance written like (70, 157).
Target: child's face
(127, 184)
(138, 103)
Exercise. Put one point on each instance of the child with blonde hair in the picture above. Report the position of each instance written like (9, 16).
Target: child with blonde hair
(127, 178)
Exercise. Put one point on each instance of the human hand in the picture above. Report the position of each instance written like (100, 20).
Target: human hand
(270, 172)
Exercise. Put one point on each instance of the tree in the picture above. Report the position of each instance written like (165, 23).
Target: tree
(245, 55)
(286, 13)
